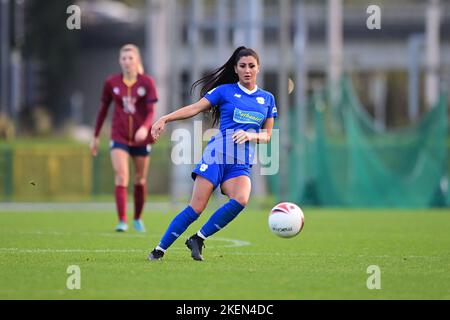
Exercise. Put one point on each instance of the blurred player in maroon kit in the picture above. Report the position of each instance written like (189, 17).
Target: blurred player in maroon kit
(134, 96)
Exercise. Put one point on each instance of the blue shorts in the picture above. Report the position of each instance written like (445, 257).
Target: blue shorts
(142, 151)
(218, 173)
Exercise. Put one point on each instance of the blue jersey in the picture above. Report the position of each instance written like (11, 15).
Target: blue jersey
(240, 109)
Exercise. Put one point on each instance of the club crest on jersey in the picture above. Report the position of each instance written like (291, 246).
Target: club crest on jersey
(237, 95)
(261, 100)
(116, 91)
(141, 91)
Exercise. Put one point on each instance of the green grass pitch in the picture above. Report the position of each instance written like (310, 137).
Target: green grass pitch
(328, 260)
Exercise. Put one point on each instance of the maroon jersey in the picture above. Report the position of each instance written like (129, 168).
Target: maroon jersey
(134, 107)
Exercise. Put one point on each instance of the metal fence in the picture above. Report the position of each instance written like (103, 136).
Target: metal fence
(30, 173)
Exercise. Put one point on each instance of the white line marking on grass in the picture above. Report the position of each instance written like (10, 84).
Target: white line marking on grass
(38, 250)
(90, 207)
(82, 234)
(324, 255)
(233, 243)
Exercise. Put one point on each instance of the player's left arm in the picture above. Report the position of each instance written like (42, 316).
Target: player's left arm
(263, 136)
(266, 132)
(152, 98)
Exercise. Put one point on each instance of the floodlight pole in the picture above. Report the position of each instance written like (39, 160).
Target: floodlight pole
(157, 49)
(300, 43)
(335, 46)
(283, 98)
(432, 53)
(4, 56)
(222, 13)
(254, 29)
(254, 40)
(415, 44)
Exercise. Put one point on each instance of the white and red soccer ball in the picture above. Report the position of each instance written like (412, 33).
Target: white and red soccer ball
(286, 220)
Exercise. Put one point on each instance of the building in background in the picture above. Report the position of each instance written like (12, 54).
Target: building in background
(45, 64)
(184, 39)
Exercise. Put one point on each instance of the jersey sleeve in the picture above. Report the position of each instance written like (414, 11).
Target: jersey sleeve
(273, 111)
(106, 93)
(152, 96)
(215, 96)
(103, 111)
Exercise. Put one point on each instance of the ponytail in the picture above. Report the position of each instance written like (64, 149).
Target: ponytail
(223, 75)
(140, 68)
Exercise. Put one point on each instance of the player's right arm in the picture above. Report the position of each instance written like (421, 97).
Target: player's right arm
(180, 114)
(101, 116)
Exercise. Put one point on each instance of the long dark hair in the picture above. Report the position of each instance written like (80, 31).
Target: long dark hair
(224, 74)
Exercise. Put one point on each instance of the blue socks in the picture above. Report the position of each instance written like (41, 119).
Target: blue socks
(178, 225)
(183, 220)
(221, 218)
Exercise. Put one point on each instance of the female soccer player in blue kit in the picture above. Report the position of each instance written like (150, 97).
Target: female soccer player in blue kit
(242, 109)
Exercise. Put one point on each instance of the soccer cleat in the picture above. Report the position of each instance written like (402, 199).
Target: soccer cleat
(139, 225)
(122, 227)
(195, 244)
(155, 255)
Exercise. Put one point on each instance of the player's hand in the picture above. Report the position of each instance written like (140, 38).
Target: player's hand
(157, 128)
(94, 146)
(141, 134)
(241, 137)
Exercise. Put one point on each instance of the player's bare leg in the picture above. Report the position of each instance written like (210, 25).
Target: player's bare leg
(238, 188)
(201, 193)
